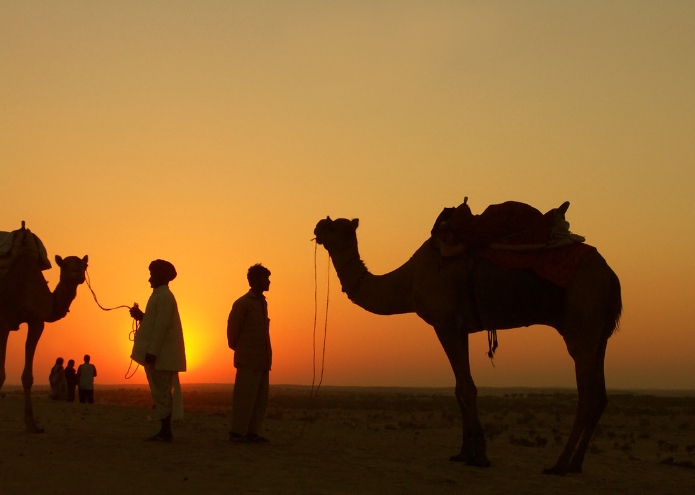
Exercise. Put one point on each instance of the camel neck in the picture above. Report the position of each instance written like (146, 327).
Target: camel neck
(351, 272)
(63, 295)
(385, 294)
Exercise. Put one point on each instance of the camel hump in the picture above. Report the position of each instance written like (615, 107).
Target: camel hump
(12, 243)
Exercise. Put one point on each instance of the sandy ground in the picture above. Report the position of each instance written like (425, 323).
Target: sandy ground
(348, 440)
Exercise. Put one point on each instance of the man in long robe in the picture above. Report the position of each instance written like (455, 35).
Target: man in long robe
(158, 345)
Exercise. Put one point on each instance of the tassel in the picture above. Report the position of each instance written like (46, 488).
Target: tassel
(492, 344)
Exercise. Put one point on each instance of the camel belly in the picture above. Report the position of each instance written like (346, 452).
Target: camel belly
(504, 298)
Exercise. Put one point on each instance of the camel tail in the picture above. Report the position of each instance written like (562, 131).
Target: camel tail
(615, 305)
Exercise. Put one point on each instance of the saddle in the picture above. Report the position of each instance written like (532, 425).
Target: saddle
(12, 243)
(509, 226)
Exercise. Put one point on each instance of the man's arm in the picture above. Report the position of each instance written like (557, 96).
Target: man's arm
(95, 370)
(235, 323)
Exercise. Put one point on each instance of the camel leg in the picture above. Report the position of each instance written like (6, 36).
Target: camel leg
(592, 401)
(598, 400)
(454, 340)
(4, 334)
(33, 336)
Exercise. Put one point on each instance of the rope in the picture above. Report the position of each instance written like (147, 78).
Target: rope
(134, 326)
(89, 284)
(316, 309)
(313, 394)
(325, 324)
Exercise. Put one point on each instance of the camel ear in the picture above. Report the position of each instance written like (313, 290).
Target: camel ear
(59, 260)
(355, 223)
(85, 260)
(329, 219)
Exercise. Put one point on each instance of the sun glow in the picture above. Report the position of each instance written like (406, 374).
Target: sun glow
(198, 346)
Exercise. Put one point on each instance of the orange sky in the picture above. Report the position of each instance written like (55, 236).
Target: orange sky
(216, 134)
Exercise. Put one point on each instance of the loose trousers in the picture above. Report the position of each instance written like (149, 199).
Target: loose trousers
(86, 395)
(161, 386)
(249, 400)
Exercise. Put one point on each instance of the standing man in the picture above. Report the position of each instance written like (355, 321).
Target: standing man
(248, 335)
(71, 377)
(158, 345)
(85, 380)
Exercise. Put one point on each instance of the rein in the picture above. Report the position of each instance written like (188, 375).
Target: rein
(314, 393)
(134, 326)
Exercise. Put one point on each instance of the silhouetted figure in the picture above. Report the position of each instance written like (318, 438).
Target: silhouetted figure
(467, 294)
(71, 379)
(26, 298)
(159, 346)
(248, 334)
(59, 386)
(85, 380)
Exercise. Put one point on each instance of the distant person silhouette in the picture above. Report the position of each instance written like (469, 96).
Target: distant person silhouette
(71, 379)
(248, 335)
(159, 346)
(59, 385)
(85, 380)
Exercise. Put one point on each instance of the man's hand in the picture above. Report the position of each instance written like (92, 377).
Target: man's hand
(136, 313)
(150, 358)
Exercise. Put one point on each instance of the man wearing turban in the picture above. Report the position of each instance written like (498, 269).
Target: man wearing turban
(158, 345)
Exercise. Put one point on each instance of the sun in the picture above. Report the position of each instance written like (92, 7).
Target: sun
(198, 342)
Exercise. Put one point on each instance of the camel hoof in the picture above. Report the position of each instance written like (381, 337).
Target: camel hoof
(574, 469)
(556, 471)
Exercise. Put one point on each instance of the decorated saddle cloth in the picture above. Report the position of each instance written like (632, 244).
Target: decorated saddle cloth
(515, 235)
(556, 265)
(12, 243)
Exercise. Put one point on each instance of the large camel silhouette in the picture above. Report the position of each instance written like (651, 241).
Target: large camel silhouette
(463, 294)
(26, 298)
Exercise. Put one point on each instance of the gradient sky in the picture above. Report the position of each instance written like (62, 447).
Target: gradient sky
(215, 134)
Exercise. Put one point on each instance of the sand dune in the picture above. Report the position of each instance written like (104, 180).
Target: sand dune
(348, 440)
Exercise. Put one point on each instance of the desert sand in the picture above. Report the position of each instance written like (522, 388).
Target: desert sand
(347, 440)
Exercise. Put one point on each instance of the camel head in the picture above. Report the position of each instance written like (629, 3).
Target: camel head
(72, 269)
(337, 234)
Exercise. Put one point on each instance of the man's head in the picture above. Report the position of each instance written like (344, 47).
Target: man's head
(86, 358)
(258, 278)
(161, 273)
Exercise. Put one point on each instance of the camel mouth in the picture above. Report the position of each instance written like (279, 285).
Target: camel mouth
(320, 228)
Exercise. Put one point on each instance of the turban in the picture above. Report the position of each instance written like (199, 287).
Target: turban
(163, 269)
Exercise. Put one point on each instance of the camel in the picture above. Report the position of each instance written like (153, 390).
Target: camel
(26, 298)
(463, 294)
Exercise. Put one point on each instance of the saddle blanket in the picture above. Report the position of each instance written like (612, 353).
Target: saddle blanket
(556, 265)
